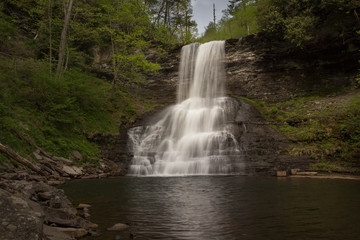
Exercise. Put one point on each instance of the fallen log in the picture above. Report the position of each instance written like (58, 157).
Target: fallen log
(43, 152)
(15, 156)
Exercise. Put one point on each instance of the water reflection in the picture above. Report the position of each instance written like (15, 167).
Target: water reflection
(223, 207)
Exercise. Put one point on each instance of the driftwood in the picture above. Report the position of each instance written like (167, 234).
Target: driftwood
(15, 156)
(43, 152)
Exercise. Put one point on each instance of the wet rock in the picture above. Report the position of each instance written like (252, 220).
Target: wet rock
(44, 196)
(18, 220)
(103, 175)
(281, 173)
(83, 205)
(72, 232)
(93, 226)
(55, 202)
(26, 207)
(55, 182)
(118, 227)
(72, 171)
(52, 233)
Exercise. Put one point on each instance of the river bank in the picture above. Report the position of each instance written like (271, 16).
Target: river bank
(32, 209)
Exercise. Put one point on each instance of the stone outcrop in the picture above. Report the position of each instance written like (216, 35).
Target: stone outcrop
(32, 210)
(263, 69)
(52, 169)
(263, 149)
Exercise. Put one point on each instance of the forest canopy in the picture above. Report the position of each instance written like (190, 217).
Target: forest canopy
(299, 22)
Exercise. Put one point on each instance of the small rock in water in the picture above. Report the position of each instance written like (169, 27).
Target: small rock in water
(93, 226)
(118, 227)
(281, 174)
(83, 206)
(73, 232)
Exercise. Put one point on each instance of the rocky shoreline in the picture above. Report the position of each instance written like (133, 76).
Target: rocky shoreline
(32, 209)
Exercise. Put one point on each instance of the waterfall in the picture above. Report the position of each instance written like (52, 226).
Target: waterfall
(192, 137)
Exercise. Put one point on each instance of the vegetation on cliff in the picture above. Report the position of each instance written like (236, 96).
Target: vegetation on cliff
(323, 126)
(55, 91)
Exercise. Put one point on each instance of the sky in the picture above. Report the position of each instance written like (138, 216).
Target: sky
(203, 12)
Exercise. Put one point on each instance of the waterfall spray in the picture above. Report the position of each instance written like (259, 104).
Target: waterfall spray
(192, 137)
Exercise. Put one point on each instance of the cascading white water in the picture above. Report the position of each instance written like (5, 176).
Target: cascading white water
(192, 138)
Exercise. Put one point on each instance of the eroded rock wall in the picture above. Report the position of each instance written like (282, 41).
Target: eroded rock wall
(258, 68)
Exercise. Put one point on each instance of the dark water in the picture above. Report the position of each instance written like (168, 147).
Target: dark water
(222, 207)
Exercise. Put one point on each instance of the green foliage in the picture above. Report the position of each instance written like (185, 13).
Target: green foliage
(173, 21)
(325, 166)
(238, 21)
(302, 22)
(56, 114)
(326, 130)
(7, 28)
(274, 110)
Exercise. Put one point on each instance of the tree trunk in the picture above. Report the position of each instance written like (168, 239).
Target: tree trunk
(357, 16)
(13, 155)
(60, 64)
(50, 35)
(114, 66)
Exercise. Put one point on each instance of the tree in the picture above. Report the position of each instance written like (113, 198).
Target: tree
(173, 20)
(239, 19)
(67, 13)
(302, 22)
(126, 26)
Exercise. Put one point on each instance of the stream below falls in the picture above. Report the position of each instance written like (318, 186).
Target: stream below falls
(222, 207)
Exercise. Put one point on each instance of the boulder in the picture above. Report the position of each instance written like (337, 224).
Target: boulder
(72, 232)
(18, 220)
(72, 171)
(53, 233)
(118, 227)
(44, 196)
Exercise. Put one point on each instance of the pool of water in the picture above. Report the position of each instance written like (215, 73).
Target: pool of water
(220, 207)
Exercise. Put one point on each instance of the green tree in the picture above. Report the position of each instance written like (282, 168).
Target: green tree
(239, 20)
(127, 26)
(302, 22)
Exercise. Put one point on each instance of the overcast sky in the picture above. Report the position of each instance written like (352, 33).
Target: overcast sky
(203, 12)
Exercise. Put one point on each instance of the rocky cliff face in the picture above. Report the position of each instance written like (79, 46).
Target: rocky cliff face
(261, 70)
(264, 70)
